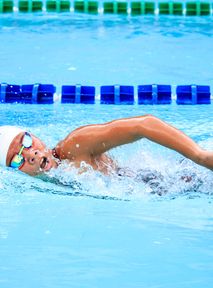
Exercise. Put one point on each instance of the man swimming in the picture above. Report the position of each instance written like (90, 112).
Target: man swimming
(24, 151)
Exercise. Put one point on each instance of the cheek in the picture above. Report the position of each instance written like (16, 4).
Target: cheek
(30, 170)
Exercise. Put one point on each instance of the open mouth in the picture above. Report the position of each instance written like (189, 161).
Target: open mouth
(44, 163)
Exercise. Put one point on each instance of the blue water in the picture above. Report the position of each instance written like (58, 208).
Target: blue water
(90, 230)
(97, 50)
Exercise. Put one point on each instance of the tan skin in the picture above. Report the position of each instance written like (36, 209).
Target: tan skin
(90, 144)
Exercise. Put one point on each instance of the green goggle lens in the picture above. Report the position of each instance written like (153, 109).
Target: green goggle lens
(17, 161)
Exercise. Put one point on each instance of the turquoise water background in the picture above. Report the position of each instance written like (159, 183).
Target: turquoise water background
(90, 230)
(98, 50)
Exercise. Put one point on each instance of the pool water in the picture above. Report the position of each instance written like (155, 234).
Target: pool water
(90, 230)
(98, 50)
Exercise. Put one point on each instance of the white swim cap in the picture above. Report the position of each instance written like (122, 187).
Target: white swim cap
(7, 134)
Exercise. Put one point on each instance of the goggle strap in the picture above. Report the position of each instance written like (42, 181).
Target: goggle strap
(22, 148)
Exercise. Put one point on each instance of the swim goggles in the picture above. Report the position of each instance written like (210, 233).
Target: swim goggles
(18, 159)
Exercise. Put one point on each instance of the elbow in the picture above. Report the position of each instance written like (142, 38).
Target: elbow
(146, 116)
(147, 121)
(140, 126)
(149, 118)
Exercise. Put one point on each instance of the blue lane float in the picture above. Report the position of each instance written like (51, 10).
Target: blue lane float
(117, 94)
(27, 94)
(78, 94)
(38, 93)
(193, 94)
(9, 93)
(112, 94)
(154, 94)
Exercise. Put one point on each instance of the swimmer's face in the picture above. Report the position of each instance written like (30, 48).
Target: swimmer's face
(38, 159)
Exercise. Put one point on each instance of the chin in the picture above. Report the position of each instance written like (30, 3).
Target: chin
(34, 173)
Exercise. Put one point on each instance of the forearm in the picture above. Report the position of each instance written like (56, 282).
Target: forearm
(164, 134)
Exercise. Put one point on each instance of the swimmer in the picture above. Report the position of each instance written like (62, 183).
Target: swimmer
(24, 151)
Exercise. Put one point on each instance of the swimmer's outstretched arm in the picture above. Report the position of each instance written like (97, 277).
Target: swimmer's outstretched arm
(97, 139)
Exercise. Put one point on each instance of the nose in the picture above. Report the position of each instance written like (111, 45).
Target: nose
(33, 156)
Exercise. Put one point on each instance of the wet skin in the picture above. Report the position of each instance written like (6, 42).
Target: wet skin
(38, 159)
(90, 144)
